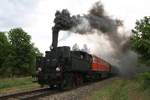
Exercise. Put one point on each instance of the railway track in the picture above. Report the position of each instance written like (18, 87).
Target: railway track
(37, 93)
(29, 95)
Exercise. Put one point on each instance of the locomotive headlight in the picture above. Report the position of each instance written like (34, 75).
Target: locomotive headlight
(39, 69)
(57, 69)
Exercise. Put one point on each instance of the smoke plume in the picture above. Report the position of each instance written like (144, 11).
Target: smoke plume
(96, 21)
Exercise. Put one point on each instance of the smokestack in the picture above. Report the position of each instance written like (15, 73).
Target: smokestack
(63, 21)
(55, 32)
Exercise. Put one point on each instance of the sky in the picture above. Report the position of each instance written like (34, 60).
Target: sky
(36, 16)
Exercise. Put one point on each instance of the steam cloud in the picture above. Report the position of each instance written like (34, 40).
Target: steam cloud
(96, 21)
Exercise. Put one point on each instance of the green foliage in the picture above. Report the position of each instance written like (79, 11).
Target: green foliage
(3, 47)
(141, 44)
(141, 39)
(144, 79)
(4, 52)
(24, 52)
(17, 54)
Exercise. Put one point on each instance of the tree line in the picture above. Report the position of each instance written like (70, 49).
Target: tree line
(140, 42)
(141, 39)
(17, 53)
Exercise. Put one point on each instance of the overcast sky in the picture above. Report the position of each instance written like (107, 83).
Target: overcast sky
(36, 16)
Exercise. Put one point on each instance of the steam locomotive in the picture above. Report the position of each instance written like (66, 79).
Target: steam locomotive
(63, 67)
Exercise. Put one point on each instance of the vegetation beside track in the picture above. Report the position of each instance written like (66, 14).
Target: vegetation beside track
(9, 85)
(121, 89)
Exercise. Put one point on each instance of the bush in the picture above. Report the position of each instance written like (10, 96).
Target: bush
(144, 79)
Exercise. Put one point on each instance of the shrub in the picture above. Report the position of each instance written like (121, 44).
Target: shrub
(144, 79)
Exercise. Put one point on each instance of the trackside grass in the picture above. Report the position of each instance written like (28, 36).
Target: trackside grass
(121, 89)
(8, 85)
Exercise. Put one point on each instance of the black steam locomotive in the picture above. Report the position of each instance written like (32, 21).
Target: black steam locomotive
(62, 67)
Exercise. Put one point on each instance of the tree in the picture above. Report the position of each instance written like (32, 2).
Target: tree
(3, 47)
(17, 54)
(141, 44)
(4, 52)
(23, 53)
(141, 39)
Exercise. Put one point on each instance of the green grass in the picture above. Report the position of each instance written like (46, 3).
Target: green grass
(121, 89)
(16, 84)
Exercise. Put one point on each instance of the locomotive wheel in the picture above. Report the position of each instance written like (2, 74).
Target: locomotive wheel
(61, 85)
(78, 79)
(69, 80)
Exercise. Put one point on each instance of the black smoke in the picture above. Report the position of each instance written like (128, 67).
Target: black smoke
(96, 21)
(64, 21)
